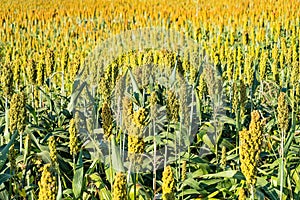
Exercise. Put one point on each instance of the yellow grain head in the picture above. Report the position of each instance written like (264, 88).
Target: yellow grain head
(172, 106)
(153, 104)
(73, 140)
(107, 120)
(262, 64)
(52, 150)
(32, 71)
(47, 184)
(17, 113)
(119, 187)
(223, 157)
(168, 186)
(250, 148)
(7, 79)
(127, 114)
(139, 117)
(283, 112)
(242, 194)
(183, 171)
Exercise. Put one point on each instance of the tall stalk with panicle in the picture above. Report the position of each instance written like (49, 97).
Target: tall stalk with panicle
(119, 191)
(7, 82)
(168, 186)
(283, 123)
(47, 184)
(153, 115)
(250, 144)
(17, 115)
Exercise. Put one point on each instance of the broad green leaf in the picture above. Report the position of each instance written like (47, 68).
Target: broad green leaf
(59, 191)
(173, 75)
(135, 85)
(192, 183)
(116, 158)
(4, 178)
(77, 183)
(226, 174)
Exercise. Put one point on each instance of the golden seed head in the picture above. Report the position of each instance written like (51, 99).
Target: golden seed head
(47, 184)
(295, 73)
(73, 143)
(153, 104)
(107, 120)
(32, 72)
(7, 80)
(139, 117)
(172, 106)
(52, 149)
(168, 185)
(183, 172)
(27, 143)
(283, 112)
(136, 144)
(119, 187)
(17, 113)
(202, 88)
(127, 114)
(104, 88)
(242, 194)
(223, 157)
(12, 155)
(250, 148)
(262, 64)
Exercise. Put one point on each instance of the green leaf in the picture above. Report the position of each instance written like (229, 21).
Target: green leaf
(226, 174)
(135, 85)
(173, 75)
(4, 178)
(77, 183)
(104, 193)
(3, 192)
(116, 158)
(59, 192)
(192, 183)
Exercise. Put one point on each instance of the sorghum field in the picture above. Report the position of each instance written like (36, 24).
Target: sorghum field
(166, 124)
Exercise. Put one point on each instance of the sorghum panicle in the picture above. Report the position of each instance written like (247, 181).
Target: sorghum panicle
(17, 113)
(107, 120)
(119, 187)
(127, 114)
(283, 112)
(168, 185)
(73, 143)
(52, 149)
(184, 170)
(250, 148)
(172, 106)
(7, 80)
(47, 184)
(139, 117)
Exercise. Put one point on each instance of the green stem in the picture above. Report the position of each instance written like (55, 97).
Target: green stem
(282, 165)
(154, 160)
